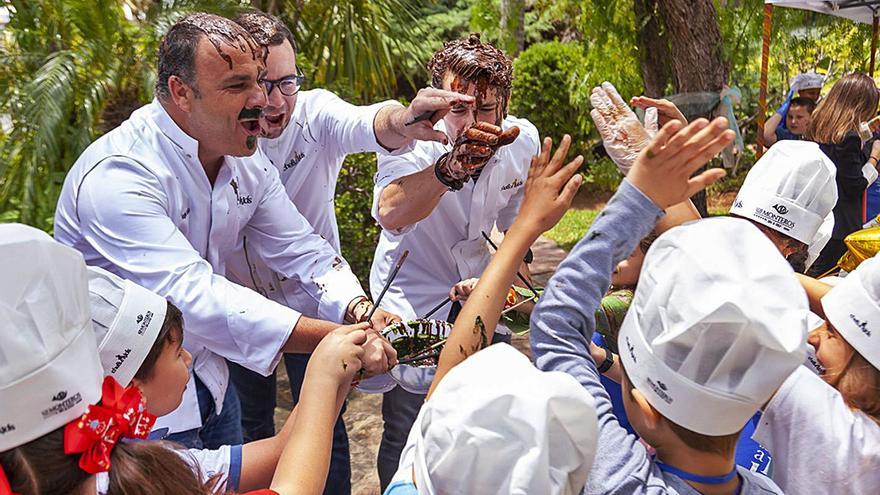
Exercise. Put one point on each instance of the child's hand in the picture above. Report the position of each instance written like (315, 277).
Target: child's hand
(549, 188)
(339, 353)
(379, 355)
(663, 170)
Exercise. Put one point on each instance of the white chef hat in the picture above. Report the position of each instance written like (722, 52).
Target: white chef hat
(853, 307)
(791, 189)
(717, 323)
(126, 318)
(49, 368)
(807, 80)
(495, 424)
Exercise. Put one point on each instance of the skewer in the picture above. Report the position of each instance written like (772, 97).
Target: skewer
(422, 116)
(436, 308)
(387, 284)
(419, 357)
(508, 310)
(518, 274)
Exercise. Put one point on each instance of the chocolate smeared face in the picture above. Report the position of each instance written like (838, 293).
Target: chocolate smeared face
(280, 64)
(472, 67)
(224, 118)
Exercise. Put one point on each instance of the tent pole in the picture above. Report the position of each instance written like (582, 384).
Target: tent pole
(765, 59)
(874, 44)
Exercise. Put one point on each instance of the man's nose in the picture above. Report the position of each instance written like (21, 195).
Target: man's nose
(258, 98)
(275, 99)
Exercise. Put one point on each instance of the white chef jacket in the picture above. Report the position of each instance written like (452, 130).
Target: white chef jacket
(819, 444)
(447, 246)
(137, 202)
(308, 155)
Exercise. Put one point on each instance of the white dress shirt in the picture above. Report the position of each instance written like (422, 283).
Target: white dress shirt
(447, 246)
(138, 203)
(309, 155)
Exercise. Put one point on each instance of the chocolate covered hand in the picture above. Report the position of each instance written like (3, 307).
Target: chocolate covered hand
(471, 152)
(622, 133)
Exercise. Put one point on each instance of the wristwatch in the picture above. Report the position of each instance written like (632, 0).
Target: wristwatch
(608, 362)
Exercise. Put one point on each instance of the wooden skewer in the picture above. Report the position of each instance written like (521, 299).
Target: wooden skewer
(518, 274)
(508, 310)
(419, 357)
(387, 284)
(436, 308)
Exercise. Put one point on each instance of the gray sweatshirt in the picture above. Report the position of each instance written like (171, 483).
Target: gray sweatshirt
(562, 326)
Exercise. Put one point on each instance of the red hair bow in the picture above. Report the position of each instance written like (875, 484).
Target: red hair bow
(122, 413)
(5, 489)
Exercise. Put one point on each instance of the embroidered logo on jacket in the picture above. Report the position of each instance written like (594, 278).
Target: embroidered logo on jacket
(293, 162)
(242, 200)
(516, 183)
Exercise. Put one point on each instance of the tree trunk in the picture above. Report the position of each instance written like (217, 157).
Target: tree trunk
(697, 58)
(653, 44)
(513, 21)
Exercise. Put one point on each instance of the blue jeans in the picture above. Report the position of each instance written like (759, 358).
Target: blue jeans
(258, 415)
(217, 430)
(399, 411)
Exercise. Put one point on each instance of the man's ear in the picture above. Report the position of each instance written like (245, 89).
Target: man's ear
(182, 93)
(651, 416)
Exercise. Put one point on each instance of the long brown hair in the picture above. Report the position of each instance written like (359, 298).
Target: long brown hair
(41, 467)
(852, 100)
(858, 382)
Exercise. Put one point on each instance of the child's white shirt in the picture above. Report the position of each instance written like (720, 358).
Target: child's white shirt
(819, 444)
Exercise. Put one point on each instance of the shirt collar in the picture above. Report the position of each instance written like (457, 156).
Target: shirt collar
(188, 144)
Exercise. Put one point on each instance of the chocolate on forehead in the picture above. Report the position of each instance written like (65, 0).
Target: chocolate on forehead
(222, 31)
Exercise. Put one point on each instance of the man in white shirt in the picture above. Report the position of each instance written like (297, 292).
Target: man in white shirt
(306, 136)
(437, 200)
(163, 199)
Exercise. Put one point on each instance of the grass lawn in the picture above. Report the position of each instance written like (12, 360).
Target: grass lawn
(572, 227)
(575, 224)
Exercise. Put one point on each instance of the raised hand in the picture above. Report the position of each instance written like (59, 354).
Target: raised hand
(429, 106)
(622, 133)
(663, 169)
(550, 187)
(471, 153)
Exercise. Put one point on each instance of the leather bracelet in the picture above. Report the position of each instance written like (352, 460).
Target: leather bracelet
(876, 161)
(608, 362)
(451, 184)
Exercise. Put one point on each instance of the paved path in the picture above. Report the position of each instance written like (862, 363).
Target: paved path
(363, 415)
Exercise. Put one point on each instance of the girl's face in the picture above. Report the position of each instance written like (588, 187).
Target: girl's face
(626, 273)
(164, 389)
(833, 352)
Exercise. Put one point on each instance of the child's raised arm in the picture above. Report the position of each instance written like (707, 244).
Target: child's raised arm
(549, 191)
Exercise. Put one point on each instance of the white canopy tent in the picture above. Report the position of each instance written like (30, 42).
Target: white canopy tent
(863, 11)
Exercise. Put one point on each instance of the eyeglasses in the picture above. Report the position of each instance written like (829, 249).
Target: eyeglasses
(288, 86)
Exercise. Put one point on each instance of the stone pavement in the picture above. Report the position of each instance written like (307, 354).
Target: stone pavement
(363, 415)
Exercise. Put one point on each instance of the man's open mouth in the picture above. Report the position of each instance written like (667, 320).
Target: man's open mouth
(274, 119)
(251, 126)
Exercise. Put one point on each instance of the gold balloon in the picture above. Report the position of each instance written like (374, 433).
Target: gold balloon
(860, 245)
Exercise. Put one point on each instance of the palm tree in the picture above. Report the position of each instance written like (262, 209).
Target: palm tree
(69, 67)
(73, 69)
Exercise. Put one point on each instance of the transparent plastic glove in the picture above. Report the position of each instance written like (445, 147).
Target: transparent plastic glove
(622, 133)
